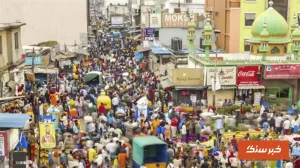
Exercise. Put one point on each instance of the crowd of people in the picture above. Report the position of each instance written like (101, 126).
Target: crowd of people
(91, 135)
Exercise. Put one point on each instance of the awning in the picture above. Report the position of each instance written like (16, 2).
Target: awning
(252, 87)
(12, 120)
(189, 87)
(165, 83)
(225, 87)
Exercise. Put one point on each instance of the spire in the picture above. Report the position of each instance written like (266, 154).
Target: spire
(207, 40)
(295, 22)
(264, 32)
(271, 3)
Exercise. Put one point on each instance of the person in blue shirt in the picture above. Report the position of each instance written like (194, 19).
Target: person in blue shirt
(265, 126)
(215, 149)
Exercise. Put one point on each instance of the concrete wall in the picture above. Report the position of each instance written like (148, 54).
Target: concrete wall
(60, 20)
(234, 33)
(165, 35)
(3, 56)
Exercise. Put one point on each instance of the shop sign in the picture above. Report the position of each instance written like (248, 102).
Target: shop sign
(149, 34)
(3, 143)
(226, 75)
(248, 76)
(178, 19)
(187, 76)
(286, 71)
(37, 61)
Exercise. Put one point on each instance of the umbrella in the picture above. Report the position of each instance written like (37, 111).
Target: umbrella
(91, 75)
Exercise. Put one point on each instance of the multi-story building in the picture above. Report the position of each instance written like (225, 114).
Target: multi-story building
(235, 17)
(195, 6)
(10, 51)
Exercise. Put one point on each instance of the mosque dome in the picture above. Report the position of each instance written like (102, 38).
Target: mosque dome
(277, 25)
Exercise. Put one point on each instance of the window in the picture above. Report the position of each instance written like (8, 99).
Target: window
(1, 45)
(246, 45)
(281, 6)
(275, 50)
(188, 1)
(154, 21)
(249, 19)
(16, 40)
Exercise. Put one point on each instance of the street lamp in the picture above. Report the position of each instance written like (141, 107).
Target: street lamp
(217, 32)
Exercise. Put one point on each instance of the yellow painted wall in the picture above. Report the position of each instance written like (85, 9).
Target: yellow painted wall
(257, 7)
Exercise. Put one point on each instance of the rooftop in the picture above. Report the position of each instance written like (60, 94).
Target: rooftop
(5, 26)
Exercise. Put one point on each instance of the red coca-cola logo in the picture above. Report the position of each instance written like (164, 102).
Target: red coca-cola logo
(246, 74)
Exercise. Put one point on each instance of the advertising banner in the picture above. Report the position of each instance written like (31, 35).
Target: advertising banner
(37, 60)
(286, 71)
(248, 76)
(47, 135)
(117, 20)
(226, 75)
(178, 20)
(3, 143)
(149, 34)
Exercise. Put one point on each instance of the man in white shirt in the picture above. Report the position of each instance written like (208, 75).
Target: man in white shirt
(287, 126)
(115, 103)
(278, 121)
(183, 132)
(289, 165)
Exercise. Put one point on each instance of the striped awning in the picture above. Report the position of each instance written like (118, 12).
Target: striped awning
(252, 87)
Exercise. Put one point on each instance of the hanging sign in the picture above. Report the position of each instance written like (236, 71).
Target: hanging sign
(149, 34)
(248, 76)
(226, 75)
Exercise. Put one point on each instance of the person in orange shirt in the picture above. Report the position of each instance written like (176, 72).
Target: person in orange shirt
(122, 160)
(53, 99)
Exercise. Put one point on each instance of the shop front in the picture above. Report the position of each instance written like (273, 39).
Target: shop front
(281, 81)
(187, 85)
(249, 83)
(226, 76)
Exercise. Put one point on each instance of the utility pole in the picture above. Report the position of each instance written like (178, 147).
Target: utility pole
(130, 11)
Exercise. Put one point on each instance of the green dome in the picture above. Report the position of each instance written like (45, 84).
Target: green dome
(277, 26)
(296, 33)
(208, 27)
(191, 25)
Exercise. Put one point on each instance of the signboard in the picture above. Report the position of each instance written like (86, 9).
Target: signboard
(178, 19)
(226, 75)
(37, 60)
(57, 49)
(248, 76)
(47, 135)
(286, 71)
(117, 20)
(3, 143)
(187, 76)
(155, 20)
(149, 33)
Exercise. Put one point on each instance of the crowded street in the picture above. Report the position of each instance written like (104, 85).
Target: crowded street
(95, 84)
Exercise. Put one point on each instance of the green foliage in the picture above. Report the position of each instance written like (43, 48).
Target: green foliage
(47, 44)
(226, 110)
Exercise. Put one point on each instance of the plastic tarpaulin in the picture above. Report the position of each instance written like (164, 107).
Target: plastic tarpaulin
(138, 55)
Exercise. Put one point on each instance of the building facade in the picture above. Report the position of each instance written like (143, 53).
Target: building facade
(10, 53)
(64, 21)
(194, 6)
(242, 14)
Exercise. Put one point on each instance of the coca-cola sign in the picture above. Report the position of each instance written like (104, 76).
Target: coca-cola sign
(249, 76)
(225, 74)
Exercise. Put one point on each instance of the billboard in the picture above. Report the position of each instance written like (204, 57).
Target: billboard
(284, 71)
(187, 76)
(178, 20)
(248, 76)
(149, 33)
(226, 75)
(3, 143)
(117, 20)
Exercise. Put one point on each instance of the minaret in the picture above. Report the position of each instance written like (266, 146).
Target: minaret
(295, 23)
(264, 43)
(207, 41)
(191, 35)
(296, 41)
